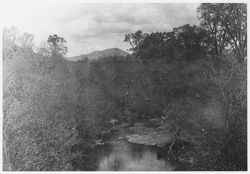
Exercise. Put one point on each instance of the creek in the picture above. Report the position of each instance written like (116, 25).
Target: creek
(135, 148)
(121, 155)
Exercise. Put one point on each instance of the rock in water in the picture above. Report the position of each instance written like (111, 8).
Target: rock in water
(156, 138)
(138, 124)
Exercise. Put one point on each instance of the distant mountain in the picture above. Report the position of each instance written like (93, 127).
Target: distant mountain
(100, 54)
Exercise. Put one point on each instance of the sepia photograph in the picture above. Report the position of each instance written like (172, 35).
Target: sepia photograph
(124, 86)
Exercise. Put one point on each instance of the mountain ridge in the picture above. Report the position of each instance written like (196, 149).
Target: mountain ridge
(99, 54)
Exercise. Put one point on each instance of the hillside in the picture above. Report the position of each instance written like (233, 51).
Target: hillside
(100, 54)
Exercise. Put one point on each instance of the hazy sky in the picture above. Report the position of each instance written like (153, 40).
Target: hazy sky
(89, 27)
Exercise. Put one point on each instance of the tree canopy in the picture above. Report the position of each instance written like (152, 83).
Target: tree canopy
(227, 26)
(58, 44)
(222, 27)
(27, 40)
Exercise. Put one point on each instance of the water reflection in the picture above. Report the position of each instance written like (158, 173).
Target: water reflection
(125, 156)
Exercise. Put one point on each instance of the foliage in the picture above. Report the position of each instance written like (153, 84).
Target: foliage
(57, 44)
(27, 41)
(227, 26)
(193, 40)
(44, 49)
(14, 40)
(194, 75)
(37, 124)
(135, 40)
(186, 41)
(200, 74)
(11, 34)
(10, 42)
(126, 88)
(228, 88)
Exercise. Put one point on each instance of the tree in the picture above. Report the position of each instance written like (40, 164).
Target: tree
(27, 40)
(57, 44)
(135, 39)
(228, 88)
(151, 46)
(227, 24)
(186, 42)
(10, 42)
(11, 34)
(44, 49)
(38, 117)
(193, 41)
(157, 45)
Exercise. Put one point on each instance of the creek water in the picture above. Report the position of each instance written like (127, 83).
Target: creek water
(121, 155)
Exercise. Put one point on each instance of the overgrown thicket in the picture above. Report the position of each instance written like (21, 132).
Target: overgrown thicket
(194, 74)
(41, 108)
(205, 99)
(38, 123)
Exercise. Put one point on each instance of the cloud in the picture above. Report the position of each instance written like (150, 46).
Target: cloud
(88, 27)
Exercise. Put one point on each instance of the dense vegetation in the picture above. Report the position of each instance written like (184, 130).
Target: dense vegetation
(196, 75)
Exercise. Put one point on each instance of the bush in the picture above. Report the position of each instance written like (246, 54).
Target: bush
(38, 119)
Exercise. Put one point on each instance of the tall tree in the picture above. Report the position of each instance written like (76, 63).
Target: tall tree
(157, 45)
(227, 24)
(10, 41)
(135, 39)
(58, 45)
(44, 49)
(193, 41)
(27, 40)
(11, 34)
(185, 42)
